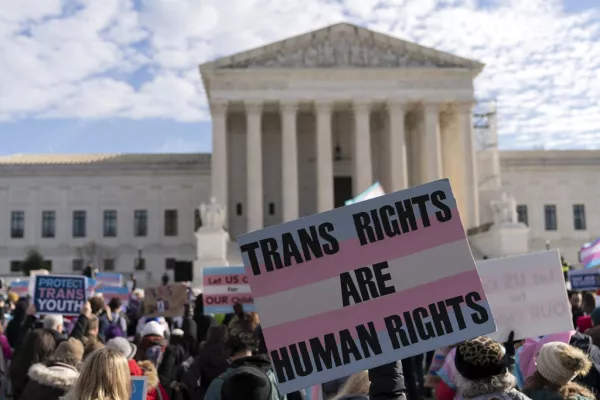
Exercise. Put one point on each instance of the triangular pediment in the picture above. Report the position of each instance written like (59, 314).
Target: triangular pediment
(343, 46)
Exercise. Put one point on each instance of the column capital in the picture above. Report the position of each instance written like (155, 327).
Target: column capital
(323, 106)
(253, 106)
(218, 106)
(431, 107)
(289, 106)
(464, 107)
(396, 106)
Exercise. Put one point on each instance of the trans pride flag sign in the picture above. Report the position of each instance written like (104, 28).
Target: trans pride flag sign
(589, 255)
(375, 190)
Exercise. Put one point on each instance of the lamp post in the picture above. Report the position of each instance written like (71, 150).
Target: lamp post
(138, 261)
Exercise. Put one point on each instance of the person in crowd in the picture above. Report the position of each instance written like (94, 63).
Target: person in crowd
(90, 347)
(21, 323)
(248, 377)
(154, 347)
(331, 388)
(152, 336)
(83, 330)
(203, 322)
(482, 368)
(117, 320)
(100, 310)
(594, 331)
(355, 387)
(241, 320)
(37, 347)
(133, 310)
(588, 302)
(211, 362)
(52, 379)
(576, 306)
(104, 376)
(557, 366)
(6, 349)
(55, 324)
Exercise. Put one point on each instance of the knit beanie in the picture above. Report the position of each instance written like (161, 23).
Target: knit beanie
(480, 358)
(153, 328)
(246, 383)
(70, 352)
(123, 346)
(560, 363)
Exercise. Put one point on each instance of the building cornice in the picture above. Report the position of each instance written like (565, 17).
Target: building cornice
(549, 158)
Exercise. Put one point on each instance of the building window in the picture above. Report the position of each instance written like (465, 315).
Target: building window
(550, 217)
(110, 223)
(238, 209)
(579, 217)
(140, 223)
(522, 214)
(271, 208)
(17, 224)
(48, 264)
(170, 222)
(48, 224)
(78, 264)
(109, 264)
(169, 263)
(140, 264)
(15, 266)
(197, 220)
(79, 223)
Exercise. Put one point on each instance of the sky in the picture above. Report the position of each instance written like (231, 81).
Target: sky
(121, 76)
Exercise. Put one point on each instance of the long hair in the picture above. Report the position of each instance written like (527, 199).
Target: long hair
(357, 385)
(37, 347)
(217, 333)
(104, 376)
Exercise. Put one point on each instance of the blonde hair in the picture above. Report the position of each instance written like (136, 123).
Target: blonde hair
(357, 385)
(104, 376)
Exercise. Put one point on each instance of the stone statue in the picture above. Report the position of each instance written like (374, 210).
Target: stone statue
(505, 210)
(213, 214)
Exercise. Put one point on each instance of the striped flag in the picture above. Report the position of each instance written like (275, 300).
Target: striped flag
(314, 393)
(589, 255)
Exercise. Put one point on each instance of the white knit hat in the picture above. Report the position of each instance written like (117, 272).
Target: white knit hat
(153, 328)
(550, 366)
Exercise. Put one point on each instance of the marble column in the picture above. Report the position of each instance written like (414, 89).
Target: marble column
(433, 147)
(289, 168)
(470, 184)
(363, 169)
(324, 164)
(219, 175)
(254, 179)
(397, 150)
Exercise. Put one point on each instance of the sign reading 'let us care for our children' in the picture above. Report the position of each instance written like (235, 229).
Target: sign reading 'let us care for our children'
(364, 285)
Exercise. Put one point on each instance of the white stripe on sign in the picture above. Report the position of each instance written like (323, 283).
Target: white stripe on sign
(222, 289)
(406, 272)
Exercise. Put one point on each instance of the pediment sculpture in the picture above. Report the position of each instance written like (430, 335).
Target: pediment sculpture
(505, 209)
(213, 214)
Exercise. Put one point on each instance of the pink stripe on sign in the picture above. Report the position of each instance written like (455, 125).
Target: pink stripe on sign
(227, 299)
(224, 280)
(353, 255)
(375, 310)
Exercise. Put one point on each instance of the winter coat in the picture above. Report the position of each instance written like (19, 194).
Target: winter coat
(49, 382)
(146, 368)
(547, 394)
(262, 362)
(594, 333)
(208, 365)
(592, 379)
(387, 383)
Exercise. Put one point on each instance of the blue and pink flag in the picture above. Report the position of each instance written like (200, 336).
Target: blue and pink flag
(375, 190)
(20, 287)
(113, 279)
(365, 285)
(589, 255)
(109, 292)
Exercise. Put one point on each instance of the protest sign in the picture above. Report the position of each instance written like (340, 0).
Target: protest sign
(374, 191)
(139, 387)
(59, 294)
(20, 287)
(39, 272)
(166, 300)
(122, 293)
(111, 279)
(365, 285)
(222, 287)
(527, 295)
(584, 279)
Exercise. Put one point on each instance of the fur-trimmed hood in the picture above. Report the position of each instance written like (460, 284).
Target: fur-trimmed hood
(57, 375)
(149, 370)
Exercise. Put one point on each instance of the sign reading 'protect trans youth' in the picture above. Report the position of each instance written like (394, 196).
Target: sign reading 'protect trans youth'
(364, 285)
(59, 294)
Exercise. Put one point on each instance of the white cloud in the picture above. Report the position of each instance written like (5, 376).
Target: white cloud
(73, 58)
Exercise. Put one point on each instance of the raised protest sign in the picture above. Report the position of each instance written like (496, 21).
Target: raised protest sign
(222, 287)
(109, 279)
(20, 287)
(527, 295)
(109, 293)
(59, 294)
(584, 279)
(166, 300)
(374, 191)
(365, 285)
(139, 387)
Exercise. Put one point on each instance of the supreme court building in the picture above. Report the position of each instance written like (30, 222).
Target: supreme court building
(301, 125)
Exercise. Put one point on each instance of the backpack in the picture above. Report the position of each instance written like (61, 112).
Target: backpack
(113, 329)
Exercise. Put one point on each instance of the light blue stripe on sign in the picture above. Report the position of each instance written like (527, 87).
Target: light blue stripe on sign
(227, 309)
(237, 270)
